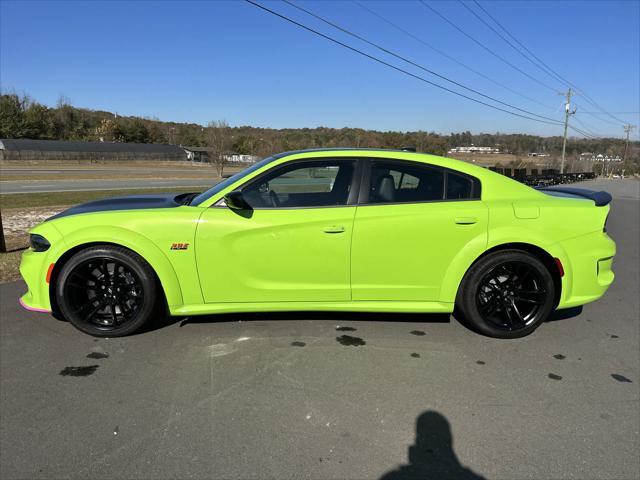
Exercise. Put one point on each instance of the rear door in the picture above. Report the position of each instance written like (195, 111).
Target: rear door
(412, 221)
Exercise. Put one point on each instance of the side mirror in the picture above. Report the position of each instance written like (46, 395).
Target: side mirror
(236, 201)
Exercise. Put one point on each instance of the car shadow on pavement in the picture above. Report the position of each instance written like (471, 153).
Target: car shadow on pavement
(312, 315)
(432, 456)
(565, 314)
(164, 321)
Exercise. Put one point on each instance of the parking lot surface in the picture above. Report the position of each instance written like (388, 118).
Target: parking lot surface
(331, 395)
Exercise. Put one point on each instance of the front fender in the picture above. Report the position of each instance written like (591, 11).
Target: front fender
(134, 241)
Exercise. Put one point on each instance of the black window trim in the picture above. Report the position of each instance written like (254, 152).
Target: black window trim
(356, 182)
(365, 185)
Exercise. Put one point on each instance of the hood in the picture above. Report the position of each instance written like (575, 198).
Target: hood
(130, 202)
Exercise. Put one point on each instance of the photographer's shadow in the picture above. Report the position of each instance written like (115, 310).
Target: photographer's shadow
(432, 457)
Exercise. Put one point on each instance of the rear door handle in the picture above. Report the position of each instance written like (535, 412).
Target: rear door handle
(334, 229)
(466, 220)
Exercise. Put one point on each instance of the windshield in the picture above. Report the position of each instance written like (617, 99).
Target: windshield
(232, 179)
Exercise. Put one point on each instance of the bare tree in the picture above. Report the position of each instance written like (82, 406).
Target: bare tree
(218, 139)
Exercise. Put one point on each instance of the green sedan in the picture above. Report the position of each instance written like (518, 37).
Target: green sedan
(328, 230)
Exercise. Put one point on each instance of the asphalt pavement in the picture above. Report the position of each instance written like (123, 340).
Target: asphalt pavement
(323, 396)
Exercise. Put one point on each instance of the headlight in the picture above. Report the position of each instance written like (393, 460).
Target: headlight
(39, 243)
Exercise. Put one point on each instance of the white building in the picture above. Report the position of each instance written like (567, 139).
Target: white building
(474, 149)
(201, 154)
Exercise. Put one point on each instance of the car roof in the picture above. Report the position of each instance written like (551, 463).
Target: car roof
(349, 149)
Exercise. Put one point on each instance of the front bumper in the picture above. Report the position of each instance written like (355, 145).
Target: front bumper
(590, 258)
(35, 267)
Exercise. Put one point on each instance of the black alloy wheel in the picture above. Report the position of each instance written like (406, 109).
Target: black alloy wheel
(106, 291)
(506, 294)
(510, 295)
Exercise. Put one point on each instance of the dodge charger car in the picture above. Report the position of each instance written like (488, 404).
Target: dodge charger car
(328, 230)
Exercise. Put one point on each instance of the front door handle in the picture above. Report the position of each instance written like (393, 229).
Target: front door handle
(466, 220)
(334, 229)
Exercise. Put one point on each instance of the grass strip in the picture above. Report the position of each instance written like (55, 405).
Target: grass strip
(25, 200)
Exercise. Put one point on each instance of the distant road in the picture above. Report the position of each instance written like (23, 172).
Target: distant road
(82, 171)
(48, 186)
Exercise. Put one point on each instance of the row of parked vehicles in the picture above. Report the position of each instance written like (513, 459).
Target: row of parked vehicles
(547, 179)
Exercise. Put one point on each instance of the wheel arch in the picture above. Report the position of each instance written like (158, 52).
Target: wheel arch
(166, 278)
(540, 253)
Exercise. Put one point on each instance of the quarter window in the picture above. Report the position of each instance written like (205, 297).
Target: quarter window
(458, 187)
(308, 184)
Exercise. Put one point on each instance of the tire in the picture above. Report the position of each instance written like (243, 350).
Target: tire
(107, 291)
(506, 294)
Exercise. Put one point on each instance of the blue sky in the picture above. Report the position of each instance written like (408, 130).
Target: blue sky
(201, 61)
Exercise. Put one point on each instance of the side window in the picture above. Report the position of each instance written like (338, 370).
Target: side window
(308, 184)
(458, 187)
(395, 182)
(405, 182)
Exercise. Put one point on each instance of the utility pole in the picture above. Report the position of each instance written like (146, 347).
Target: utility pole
(627, 130)
(3, 245)
(567, 113)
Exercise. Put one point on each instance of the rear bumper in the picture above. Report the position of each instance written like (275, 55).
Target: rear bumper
(589, 258)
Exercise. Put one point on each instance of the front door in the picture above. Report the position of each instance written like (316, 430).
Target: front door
(292, 244)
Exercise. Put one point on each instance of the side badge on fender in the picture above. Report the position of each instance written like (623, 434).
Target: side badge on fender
(179, 246)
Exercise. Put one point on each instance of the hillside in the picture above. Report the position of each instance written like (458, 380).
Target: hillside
(21, 117)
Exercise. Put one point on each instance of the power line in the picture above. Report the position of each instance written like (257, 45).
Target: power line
(583, 133)
(394, 67)
(411, 62)
(588, 128)
(600, 119)
(506, 40)
(556, 74)
(593, 102)
(600, 113)
(447, 56)
(540, 82)
(542, 65)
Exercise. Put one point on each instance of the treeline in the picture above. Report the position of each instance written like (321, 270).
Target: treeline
(22, 117)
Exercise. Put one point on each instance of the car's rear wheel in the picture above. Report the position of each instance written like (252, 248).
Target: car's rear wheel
(506, 294)
(106, 291)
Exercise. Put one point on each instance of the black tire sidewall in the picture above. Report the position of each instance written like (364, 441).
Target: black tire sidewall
(133, 261)
(466, 301)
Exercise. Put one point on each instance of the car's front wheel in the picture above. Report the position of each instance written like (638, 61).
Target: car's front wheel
(506, 294)
(106, 291)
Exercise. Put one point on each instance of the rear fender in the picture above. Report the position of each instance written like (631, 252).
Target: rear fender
(507, 237)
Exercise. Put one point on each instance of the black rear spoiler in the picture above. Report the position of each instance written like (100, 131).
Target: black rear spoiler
(600, 198)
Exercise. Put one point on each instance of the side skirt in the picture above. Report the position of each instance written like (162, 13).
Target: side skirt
(389, 307)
